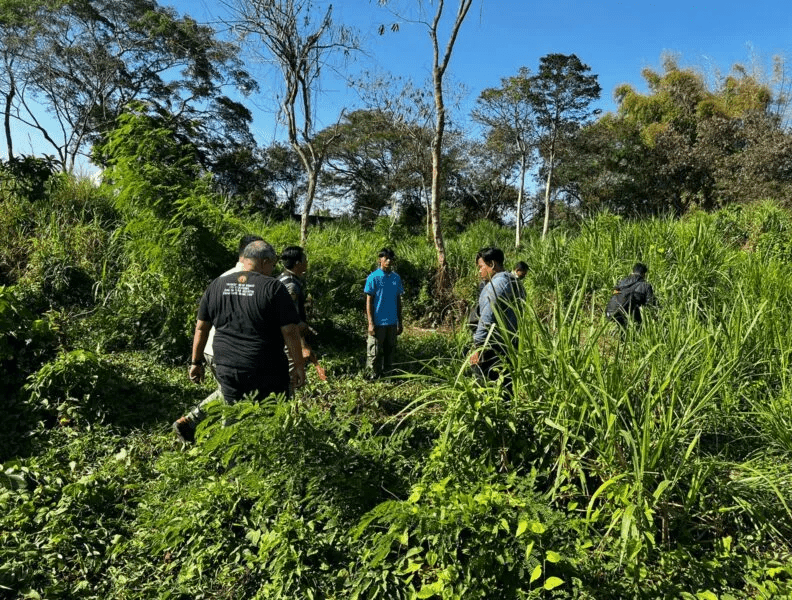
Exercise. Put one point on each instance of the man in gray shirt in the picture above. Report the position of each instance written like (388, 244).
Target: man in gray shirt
(501, 296)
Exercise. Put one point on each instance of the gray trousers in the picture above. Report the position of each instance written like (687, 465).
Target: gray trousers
(380, 349)
(196, 415)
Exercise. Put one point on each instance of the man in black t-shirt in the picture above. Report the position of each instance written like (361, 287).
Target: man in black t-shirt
(253, 316)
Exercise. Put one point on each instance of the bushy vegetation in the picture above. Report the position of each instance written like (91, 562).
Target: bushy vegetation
(652, 466)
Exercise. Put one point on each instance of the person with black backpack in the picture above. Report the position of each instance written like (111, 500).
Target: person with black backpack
(629, 295)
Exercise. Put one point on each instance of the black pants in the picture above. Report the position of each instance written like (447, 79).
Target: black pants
(236, 383)
(490, 366)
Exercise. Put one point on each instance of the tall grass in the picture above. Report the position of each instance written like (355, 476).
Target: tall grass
(654, 437)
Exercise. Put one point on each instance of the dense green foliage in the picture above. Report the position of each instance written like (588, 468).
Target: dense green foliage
(654, 466)
(687, 143)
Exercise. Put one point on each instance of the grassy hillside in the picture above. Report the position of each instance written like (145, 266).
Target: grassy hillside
(654, 466)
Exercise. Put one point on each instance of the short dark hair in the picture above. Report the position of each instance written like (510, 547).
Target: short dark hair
(490, 254)
(259, 250)
(387, 252)
(292, 255)
(640, 269)
(246, 239)
(520, 266)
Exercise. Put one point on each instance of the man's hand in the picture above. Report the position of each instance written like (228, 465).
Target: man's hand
(196, 373)
(474, 358)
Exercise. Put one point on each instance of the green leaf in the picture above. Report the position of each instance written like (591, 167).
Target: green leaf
(553, 557)
(411, 567)
(521, 527)
(404, 538)
(552, 583)
(529, 549)
(662, 486)
(554, 425)
(430, 590)
(536, 573)
(253, 536)
(537, 527)
(707, 595)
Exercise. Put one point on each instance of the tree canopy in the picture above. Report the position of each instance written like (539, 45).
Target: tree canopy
(83, 61)
(70, 68)
(684, 143)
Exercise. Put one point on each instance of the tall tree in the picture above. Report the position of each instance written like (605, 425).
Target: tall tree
(561, 93)
(690, 129)
(301, 38)
(83, 61)
(689, 141)
(371, 162)
(480, 181)
(440, 61)
(439, 67)
(507, 112)
(410, 108)
(21, 24)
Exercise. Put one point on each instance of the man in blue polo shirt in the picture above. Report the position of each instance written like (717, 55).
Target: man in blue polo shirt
(384, 312)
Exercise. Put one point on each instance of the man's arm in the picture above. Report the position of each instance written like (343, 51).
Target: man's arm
(486, 315)
(305, 329)
(291, 336)
(200, 336)
(486, 318)
(370, 313)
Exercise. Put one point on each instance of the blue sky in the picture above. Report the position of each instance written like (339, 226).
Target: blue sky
(617, 39)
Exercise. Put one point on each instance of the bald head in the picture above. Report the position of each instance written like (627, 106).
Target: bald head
(259, 256)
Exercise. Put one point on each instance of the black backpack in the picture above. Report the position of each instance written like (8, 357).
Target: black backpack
(621, 300)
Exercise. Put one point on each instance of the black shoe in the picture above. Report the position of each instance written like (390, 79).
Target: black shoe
(185, 430)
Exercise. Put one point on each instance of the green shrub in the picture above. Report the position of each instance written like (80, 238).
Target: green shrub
(485, 540)
(78, 388)
(26, 341)
(28, 176)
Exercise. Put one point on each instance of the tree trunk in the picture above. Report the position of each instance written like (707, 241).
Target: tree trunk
(551, 161)
(307, 205)
(518, 235)
(428, 198)
(437, 148)
(7, 116)
(437, 229)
